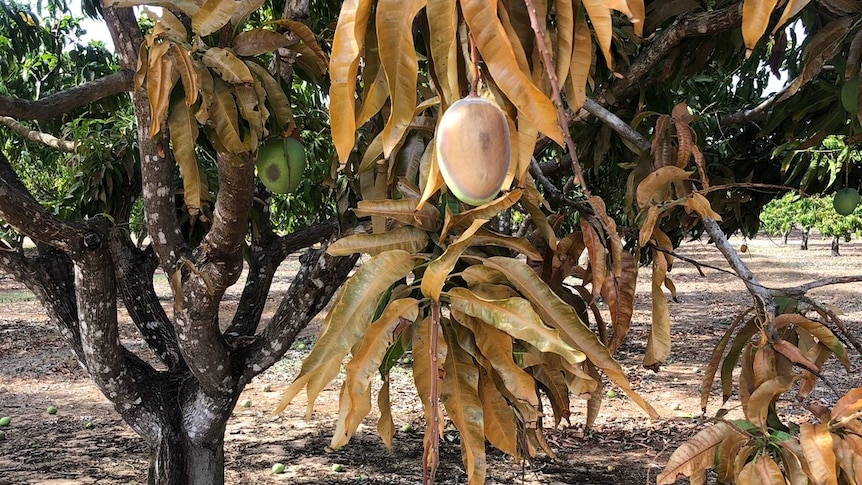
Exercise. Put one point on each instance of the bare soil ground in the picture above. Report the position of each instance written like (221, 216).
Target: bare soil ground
(85, 442)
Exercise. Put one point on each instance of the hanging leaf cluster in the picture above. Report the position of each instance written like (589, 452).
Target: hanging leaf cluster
(207, 77)
(761, 448)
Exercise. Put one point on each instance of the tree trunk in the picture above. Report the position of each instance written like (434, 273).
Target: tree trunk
(786, 235)
(176, 460)
(804, 245)
(835, 246)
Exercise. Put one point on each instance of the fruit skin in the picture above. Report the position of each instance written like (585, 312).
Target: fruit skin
(5, 421)
(280, 163)
(473, 149)
(51, 410)
(845, 201)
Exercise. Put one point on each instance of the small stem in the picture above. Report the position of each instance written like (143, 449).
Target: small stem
(474, 58)
(431, 457)
(558, 100)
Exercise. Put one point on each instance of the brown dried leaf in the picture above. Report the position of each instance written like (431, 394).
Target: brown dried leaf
(437, 272)
(763, 398)
(501, 425)
(184, 134)
(213, 15)
(619, 293)
(697, 453)
(755, 19)
(402, 210)
(258, 41)
(407, 238)
(656, 186)
(658, 343)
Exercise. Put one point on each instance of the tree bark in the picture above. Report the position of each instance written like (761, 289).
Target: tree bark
(834, 248)
(804, 245)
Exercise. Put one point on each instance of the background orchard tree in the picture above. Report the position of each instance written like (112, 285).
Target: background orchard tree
(663, 97)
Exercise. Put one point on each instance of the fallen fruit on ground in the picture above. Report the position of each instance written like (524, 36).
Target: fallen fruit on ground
(473, 149)
(407, 428)
(51, 410)
(267, 388)
(845, 201)
(280, 163)
(611, 393)
(278, 468)
(300, 346)
(246, 403)
(5, 420)
(90, 425)
(337, 467)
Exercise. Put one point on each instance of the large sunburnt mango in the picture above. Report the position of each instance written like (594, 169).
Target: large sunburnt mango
(473, 149)
(280, 163)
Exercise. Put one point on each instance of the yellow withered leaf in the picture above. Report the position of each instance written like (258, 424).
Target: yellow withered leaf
(306, 36)
(755, 19)
(184, 134)
(188, 74)
(848, 406)
(400, 61)
(646, 230)
(385, 423)
(600, 18)
(353, 308)
(460, 395)
(407, 238)
(188, 7)
(344, 64)
(561, 316)
(816, 441)
(699, 204)
(497, 52)
(565, 38)
(244, 9)
(213, 15)
(355, 400)
(401, 210)
(438, 271)
(275, 95)
(516, 317)
(582, 61)
(637, 15)
(160, 82)
(375, 86)
(442, 25)
(815, 329)
(227, 65)
(501, 425)
(763, 396)
(173, 28)
(258, 41)
(224, 116)
(485, 237)
(658, 343)
(656, 186)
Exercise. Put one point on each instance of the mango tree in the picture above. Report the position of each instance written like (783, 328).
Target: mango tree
(201, 233)
(624, 132)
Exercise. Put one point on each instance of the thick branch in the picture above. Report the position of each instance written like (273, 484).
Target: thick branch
(762, 295)
(263, 262)
(120, 378)
(695, 25)
(37, 136)
(156, 166)
(24, 213)
(312, 288)
(621, 127)
(58, 104)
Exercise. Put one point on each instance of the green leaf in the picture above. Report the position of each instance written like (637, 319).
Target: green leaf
(347, 322)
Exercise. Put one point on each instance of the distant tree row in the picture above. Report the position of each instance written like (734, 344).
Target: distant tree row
(781, 216)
